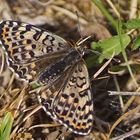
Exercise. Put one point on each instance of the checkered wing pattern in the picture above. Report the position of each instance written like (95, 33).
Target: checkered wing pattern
(28, 46)
(33, 53)
(72, 106)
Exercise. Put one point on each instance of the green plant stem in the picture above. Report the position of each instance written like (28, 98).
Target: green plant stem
(124, 54)
(104, 11)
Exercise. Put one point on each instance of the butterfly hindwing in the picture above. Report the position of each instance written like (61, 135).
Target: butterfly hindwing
(72, 105)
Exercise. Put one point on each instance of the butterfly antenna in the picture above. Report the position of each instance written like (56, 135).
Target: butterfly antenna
(98, 53)
(78, 25)
(82, 39)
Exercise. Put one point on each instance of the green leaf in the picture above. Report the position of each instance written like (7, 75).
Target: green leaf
(136, 43)
(35, 85)
(110, 46)
(5, 127)
(132, 24)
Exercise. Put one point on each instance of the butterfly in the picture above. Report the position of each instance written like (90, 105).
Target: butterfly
(34, 53)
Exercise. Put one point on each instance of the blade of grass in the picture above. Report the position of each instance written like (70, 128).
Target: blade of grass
(5, 127)
(104, 11)
(119, 30)
(126, 61)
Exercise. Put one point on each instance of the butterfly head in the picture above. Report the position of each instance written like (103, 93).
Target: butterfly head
(83, 50)
(81, 47)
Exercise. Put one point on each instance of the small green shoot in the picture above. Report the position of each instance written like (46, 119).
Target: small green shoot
(132, 24)
(5, 126)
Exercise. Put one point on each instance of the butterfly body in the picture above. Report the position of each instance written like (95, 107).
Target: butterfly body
(55, 70)
(35, 54)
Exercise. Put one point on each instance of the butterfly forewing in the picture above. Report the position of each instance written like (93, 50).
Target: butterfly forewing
(25, 43)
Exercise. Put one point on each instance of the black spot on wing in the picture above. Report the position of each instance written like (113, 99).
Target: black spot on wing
(22, 36)
(76, 100)
(33, 46)
(84, 93)
(81, 84)
(65, 96)
(15, 28)
(29, 41)
(37, 35)
(6, 29)
(28, 27)
(31, 53)
(9, 39)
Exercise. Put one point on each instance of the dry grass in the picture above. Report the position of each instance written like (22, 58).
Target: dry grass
(116, 117)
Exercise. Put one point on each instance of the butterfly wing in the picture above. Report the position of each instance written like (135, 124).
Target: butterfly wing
(72, 106)
(25, 43)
